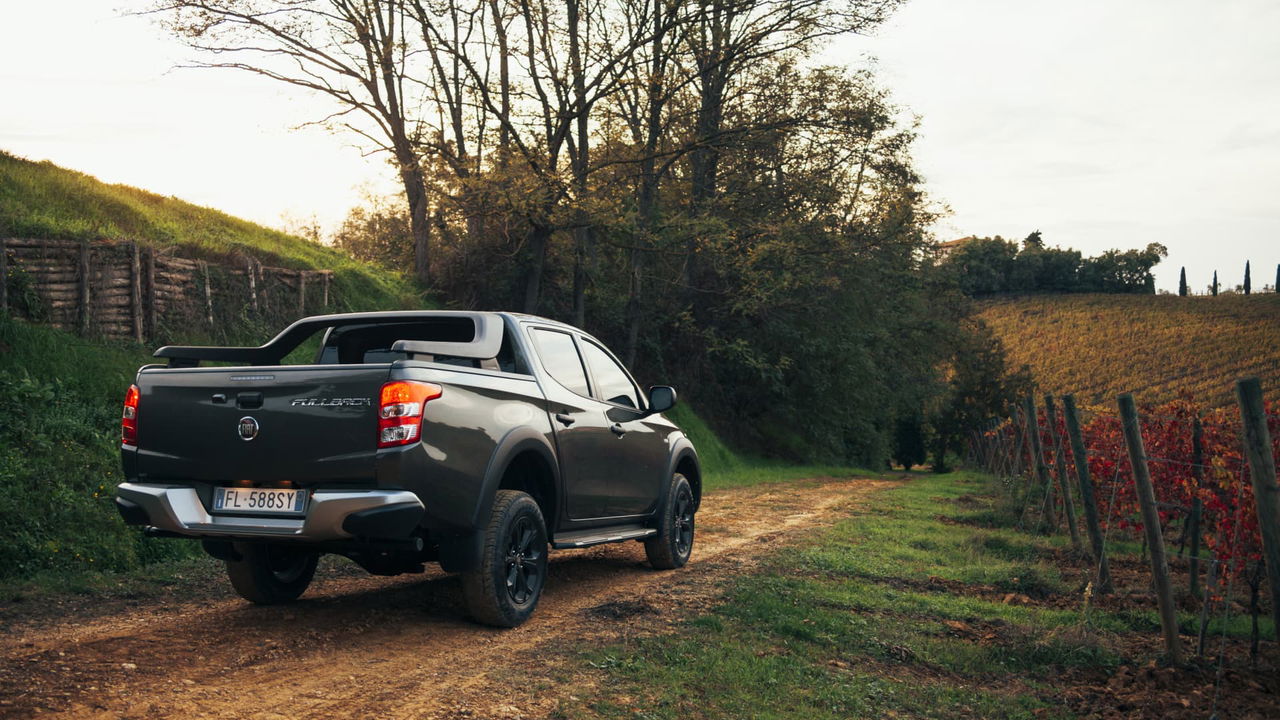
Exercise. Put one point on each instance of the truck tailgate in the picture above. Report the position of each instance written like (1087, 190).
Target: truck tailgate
(300, 423)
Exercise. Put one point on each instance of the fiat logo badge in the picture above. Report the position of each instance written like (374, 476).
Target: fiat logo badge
(248, 428)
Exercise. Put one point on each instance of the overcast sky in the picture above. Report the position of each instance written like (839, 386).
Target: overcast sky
(1102, 124)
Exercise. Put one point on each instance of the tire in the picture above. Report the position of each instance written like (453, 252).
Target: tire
(271, 574)
(673, 544)
(505, 589)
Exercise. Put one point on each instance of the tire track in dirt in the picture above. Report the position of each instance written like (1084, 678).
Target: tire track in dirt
(394, 647)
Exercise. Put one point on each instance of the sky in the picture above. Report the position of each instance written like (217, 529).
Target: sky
(1101, 124)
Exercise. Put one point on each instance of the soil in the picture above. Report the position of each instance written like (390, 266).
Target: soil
(371, 647)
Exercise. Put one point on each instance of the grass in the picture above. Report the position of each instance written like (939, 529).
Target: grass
(60, 402)
(42, 200)
(1087, 344)
(896, 611)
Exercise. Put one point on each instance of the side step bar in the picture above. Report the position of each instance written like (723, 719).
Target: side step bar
(599, 536)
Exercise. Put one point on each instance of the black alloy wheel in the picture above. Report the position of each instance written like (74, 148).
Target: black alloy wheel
(671, 547)
(505, 588)
(526, 566)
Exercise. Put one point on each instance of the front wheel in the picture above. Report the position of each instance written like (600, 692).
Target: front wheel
(271, 574)
(673, 544)
(505, 589)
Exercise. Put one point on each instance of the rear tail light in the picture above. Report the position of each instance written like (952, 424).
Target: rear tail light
(400, 411)
(129, 419)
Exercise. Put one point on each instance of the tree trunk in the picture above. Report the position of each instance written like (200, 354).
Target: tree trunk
(536, 249)
(581, 243)
(582, 234)
(415, 191)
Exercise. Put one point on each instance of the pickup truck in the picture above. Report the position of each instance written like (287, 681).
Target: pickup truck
(475, 440)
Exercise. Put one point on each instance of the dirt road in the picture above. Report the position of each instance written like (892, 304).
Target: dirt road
(359, 646)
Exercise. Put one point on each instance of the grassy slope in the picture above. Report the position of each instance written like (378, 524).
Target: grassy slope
(894, 612)
(1155, 346)
(725, 468)
(42, 200)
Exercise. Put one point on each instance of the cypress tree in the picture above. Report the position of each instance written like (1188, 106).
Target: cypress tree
(1248, 284)
(1214, 288)
(1182, 281)
(1277, 285)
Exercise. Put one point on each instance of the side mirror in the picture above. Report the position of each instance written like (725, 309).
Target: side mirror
(661, 398)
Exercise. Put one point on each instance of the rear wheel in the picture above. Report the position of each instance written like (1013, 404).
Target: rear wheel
(673, 544)
(505, 589)
(271, 574)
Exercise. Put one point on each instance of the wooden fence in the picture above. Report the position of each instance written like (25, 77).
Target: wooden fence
(126, 290)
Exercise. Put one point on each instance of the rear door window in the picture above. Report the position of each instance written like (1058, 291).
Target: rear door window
(560, 359)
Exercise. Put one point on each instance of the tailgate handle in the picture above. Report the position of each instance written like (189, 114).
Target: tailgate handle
(249, 400)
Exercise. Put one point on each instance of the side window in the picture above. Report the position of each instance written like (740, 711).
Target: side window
(561, 360)
(614, 385)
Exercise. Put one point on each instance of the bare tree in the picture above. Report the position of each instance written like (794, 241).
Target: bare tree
(355, 52)
(556, 61)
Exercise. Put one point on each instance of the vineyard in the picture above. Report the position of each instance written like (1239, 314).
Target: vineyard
(1085, 344)
(1177, 474)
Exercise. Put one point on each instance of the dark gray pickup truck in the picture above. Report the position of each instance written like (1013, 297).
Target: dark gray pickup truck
(475, 440)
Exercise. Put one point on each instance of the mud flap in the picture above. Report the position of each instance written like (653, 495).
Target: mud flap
(460, 553)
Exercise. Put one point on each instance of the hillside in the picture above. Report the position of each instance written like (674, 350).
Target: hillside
(1155, 346)
(44, 201)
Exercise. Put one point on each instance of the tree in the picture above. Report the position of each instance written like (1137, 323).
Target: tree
(1182, 282)
(729, 40)
(1122, 272)
(355, 52)
(1034, 240)
(980, 386)
(378, 231)
(1214, 287)
(1248, 283)
(983, 266)
(909, 445)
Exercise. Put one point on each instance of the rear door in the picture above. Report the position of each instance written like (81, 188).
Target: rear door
(582, 431)
(259, 424)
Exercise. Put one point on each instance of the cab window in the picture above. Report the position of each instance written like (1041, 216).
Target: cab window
(612, 383)
(560, 359)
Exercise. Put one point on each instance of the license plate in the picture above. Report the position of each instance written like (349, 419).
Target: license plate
(260, 500)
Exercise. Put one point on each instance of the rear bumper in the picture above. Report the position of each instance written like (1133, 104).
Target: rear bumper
(331, 515)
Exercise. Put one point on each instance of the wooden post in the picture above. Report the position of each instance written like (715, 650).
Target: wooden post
(135, 291)
(302, 293)
(325, 301)
(82, 297)
(149, 292)
(4, 278)
(1266, 494)
(1080, 455)
(1037, 460)
(1197, 506)
(1060, 464)
(253, 285)
(208, 294)
(1151, 526)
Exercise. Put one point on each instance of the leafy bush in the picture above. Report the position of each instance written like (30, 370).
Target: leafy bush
(59, 454)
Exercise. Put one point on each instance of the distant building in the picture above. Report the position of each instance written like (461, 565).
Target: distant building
(946, 248)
